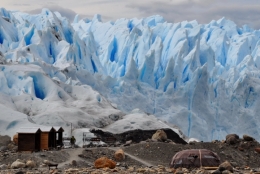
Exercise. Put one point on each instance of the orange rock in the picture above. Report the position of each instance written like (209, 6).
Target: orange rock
(15, 139)
(159, 135)
(119, 155)
(105, 162)
(257, 149)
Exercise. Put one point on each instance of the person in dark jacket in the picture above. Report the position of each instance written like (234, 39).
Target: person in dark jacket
(72, 141)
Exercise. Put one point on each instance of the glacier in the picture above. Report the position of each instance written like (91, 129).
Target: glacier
(203, 78)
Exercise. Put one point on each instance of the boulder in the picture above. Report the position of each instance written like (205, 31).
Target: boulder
(46, 162)
(240, 148)
(257, 149)
(15, 139)
(74, 163)
(159, 135)
(104, 162)
(119, 155)
(30, 164)
(216, 172)
(19, 172)
(232, 135)
(127, 143)
(3, 148)
(3, 167)
(225, 166)
(192, 142)
(226, 172)
(248, 138)
(12, 147)
(234, 164)
(4, 140)
(231, 140)
(17, 164)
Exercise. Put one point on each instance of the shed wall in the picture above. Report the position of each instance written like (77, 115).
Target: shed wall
(26, 142)
(44, 140)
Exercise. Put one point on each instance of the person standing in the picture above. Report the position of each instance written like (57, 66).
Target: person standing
(72, 141)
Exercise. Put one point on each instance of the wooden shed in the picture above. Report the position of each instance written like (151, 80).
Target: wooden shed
(29, 139)
(47, 138)
(58, 135)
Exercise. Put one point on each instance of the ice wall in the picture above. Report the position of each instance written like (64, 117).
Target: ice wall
(202, 77)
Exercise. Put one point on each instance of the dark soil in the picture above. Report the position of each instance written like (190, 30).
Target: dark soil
(241, 154)
(94, 153)
(159, 153)
(38, 157)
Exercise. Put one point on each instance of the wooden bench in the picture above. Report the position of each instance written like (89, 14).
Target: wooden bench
(95, 139)
(52, 165)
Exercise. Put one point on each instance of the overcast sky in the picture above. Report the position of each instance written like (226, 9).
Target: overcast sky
(240, 11)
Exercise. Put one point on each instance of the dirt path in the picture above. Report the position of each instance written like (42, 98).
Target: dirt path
(73, 153)
(133, 157)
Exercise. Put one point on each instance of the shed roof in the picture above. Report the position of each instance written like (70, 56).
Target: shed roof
(46, 128)
(28, 130)
(58, 129)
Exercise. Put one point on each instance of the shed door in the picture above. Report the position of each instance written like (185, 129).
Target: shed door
(44, 140)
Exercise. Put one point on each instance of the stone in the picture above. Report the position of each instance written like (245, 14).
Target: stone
(20, 172)
(4, 140)
(141, 170)
(204, 172)
(234, 164)
(46, 162)
(142, 142)
(192, 142)
(15, 139)
(226, 172)
(231, 140)
(3, 167)
(3, 148)
(74, 163)
(120, 155)
(127, 143)
(43, 165)
(248, 138)
(232, 135)
(17, 164)
(257, 149)
(72, 170)
(225, 166)
(159, 135)
(30, 164)
(104, 162)
(179, 171)
(117, 143)
(12, 146)
(216, 172)
(240, 148)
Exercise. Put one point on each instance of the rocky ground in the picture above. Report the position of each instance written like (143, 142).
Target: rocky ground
(148, 156)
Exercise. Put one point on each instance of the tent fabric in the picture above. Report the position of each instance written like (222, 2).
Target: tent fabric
(195, 158)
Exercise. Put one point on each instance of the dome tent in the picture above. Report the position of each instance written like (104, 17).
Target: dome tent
(193, 158)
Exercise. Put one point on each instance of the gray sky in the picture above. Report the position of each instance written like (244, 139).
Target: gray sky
(240, 11)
